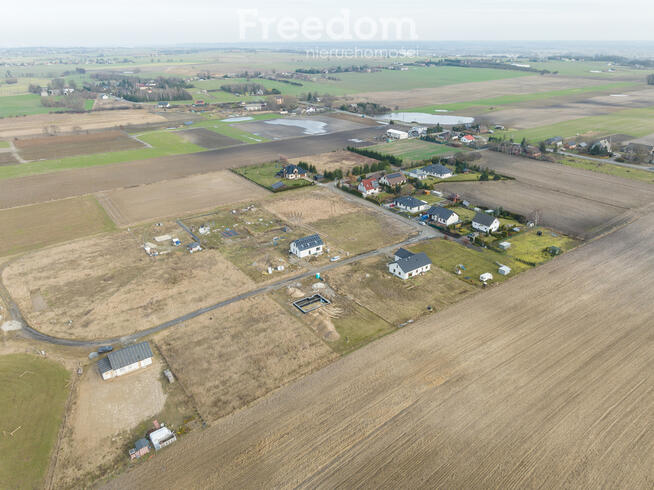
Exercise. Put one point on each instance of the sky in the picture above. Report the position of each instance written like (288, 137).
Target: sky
(170, 22)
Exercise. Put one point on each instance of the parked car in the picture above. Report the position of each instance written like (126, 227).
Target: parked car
(105, 348)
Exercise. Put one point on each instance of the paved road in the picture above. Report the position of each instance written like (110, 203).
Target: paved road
(604, 160)
(68, 183)
(425, 233)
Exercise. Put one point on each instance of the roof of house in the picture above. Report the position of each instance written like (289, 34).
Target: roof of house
(289, 169)
(124, 357)
(413, 262)
(369, 184)
(484, 219)
(403, 253)
(437, 169)
(441, 212)
(468, 137)
(409, 202)
(395, 177)
(141, 443)
(308, 242)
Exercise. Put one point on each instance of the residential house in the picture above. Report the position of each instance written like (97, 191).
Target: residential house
(368, 187)
(442, 216)
(163, 105)
(408, 264)
(515, 149)
(306, 246)
(467, 139)
(395, 134)
(162, 437)
(292, 172)
(533, 151)
(393, 179)
(254, 106)
(410, 204)
(602, 145)
(125, 360)
(438, 170)
(417, 173)
(555, 141)
(571, 145)
(638, 152)
(141, 448)
(485, 222)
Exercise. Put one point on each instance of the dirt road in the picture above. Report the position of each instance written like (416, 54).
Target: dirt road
(546, 381)
(67, 183)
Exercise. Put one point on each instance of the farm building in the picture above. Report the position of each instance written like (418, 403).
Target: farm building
(442, 216)
(417, 131)
(368, 187)
(410, 204)
(556, 140)
(162, 437)
(393, 179)
(438, 170)
(485, 222)
(395, 134)
(125, 360)
(309, 245)
(254, 106)
(406, 266)
(141, 448)
(292, 172)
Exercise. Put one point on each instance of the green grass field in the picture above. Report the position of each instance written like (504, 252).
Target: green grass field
(504, 100)
(634, 122)
(34, 392)
(4, 144)
(164, 143)
(607, 168)
(586, 69)
(357, 326)
(448, 254)
(414, 150)
(24, 105)
(531, 247)
(264, 175)
(232, 130)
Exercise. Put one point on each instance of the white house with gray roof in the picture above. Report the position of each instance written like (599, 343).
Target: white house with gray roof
(442, 216)
(410, 204)
(438, 170)
(408, 264)
(306, 246)
(485, 222)
(125, 360)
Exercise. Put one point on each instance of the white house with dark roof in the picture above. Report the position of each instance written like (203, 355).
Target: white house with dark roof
(442, 216)
(306, 246)
(408, 264)
(485, 222)
(125, 360)
(437, 170)
(410, 204)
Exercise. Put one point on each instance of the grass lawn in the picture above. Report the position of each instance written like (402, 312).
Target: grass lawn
(163, 143)
(414, 150)
(447, 254)
(34, 395)
(357, 326)
(531, 247)
(607, 168)
(4, 144)
(265, 175)
(518, 98)
(634, 122)
(24, 105)
(469, 177)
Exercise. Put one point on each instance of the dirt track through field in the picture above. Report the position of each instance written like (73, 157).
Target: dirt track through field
(67, 183)
(545, 381)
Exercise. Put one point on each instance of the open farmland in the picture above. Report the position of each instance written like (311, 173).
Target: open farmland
(32, 407)
(207, 139)
(33, 125)
(31, 227)
(502, 390)
(51, 147)
(333, 160)
(107, 286)
(177, 197)
(233, 356)
(414, 150)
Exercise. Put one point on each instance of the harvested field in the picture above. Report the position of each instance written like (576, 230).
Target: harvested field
(51, 147)
(464, 92)
(233, 356)
(31, 227)
(592, 186)
(397, 301)
(339, 159)
(33, 125)
(308, 206)
(177, 197)
(37, 188)
(570, 214)
(207, 139)
(544, 381)
(108, 287)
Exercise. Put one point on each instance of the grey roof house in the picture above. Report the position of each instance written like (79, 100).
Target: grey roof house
(308, 245)
(408, 264)
(125, 360)
(442, 215)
